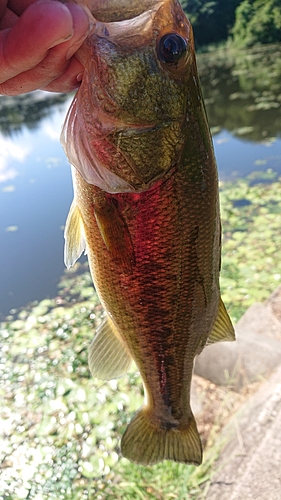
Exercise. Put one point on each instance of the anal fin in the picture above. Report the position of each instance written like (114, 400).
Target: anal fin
(223, 329)
(108, 356)
(146, 444)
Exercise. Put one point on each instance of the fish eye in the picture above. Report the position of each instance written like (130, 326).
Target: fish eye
(171, 48)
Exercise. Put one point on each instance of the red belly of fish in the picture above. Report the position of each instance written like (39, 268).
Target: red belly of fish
(159, 290)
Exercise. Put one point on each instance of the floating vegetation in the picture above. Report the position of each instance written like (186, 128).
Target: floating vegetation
(251, 267)
(60, 429)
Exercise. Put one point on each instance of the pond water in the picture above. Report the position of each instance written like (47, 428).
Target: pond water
(243, 99)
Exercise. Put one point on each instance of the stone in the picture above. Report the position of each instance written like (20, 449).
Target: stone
(251, 358)
(249, 466)
(261, 319)
(195, 400)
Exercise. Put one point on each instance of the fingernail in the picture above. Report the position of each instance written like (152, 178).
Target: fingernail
(79, 77)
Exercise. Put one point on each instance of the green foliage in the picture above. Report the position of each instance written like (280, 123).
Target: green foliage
(60, 429)
(257, 22)
(251, 221)
(250, 21)
(211, 19)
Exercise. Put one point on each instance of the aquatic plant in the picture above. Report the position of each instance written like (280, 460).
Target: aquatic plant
(60, 429)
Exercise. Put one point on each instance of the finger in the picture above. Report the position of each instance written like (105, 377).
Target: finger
(8, 19)
(55, 64)
(3, 4)
(69, 80)
(26, 44)
(19, 6)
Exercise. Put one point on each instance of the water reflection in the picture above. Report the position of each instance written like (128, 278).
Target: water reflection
(27, 110)
(243, 98)
(35, 194)
(243, 91)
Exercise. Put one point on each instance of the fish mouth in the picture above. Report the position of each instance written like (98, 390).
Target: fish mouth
(133, 23)
(120, 10)
(131, 28)
(126, 127)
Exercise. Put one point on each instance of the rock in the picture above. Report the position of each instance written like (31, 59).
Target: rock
(251, 358)
(261, 319)
(254, 355)
(195, 400)
(274, 304)
(249, 466)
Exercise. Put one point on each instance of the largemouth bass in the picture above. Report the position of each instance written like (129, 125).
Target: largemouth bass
(146, 210)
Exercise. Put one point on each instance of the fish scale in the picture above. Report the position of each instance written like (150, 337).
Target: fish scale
(154, 243)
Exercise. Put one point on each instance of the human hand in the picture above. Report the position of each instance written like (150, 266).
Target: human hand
(38, 42)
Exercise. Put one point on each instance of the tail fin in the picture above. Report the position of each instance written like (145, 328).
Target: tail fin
(146, 444)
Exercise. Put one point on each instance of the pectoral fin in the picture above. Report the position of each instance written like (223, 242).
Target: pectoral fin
(115, 235)
(75, 242)
(223, 329)
(108, 356)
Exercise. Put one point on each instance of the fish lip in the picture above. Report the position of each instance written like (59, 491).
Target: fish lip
(105, 12)
(134, 30)
(112, 31)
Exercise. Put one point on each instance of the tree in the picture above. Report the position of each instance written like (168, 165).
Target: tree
(211, 19)
(257, 22)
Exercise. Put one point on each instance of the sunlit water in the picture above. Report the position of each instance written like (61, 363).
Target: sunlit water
(243, 100)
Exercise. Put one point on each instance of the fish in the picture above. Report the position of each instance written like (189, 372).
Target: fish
(146, 211)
